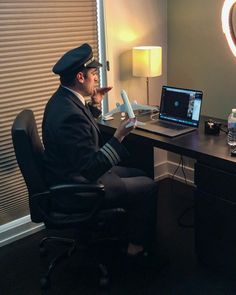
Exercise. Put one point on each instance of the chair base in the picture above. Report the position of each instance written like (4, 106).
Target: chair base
(71, 247)
(45, 281)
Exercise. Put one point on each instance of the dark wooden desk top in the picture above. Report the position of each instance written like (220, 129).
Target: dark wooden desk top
(209, 149)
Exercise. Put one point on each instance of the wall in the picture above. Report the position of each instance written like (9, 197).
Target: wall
(132, 23)
(128, 23)
(198, 54)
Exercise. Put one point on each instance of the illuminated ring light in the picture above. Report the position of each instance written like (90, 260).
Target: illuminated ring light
(227, 24)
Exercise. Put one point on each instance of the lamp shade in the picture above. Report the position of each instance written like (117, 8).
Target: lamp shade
(147, 61)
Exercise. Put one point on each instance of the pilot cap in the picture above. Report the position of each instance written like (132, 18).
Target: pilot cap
(74, 60)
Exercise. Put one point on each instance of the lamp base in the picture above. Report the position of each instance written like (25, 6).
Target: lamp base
(147, 82)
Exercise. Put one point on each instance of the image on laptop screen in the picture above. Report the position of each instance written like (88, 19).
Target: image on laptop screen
(181, 105)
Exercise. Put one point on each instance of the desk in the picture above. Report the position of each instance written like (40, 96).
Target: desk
(209, 149)
(215, 179)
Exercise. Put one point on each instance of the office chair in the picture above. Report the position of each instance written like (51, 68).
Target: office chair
(29, 154)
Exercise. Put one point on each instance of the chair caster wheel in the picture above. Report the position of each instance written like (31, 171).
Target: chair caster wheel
(103, 282)
(45, 283)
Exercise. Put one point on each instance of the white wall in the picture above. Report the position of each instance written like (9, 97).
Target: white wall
(199, 56)
(133, 23)
(128, 23)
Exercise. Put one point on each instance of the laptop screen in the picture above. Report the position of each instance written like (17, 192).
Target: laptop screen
(181, 105)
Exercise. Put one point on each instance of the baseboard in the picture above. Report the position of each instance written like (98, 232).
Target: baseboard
(23, 227)
(18, 229)
(167, 169)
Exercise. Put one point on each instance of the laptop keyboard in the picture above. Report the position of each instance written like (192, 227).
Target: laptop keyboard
(171, 126)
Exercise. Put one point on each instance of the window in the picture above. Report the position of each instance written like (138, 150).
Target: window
(34, 34)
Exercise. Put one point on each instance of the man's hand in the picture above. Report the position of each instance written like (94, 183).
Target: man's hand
(122, 130)
(98, 94)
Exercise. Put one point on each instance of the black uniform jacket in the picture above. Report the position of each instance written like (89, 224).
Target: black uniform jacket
(73, 143)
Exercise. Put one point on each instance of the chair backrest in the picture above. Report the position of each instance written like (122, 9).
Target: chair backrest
(29, 154)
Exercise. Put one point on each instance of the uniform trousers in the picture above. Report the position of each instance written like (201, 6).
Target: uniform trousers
(132, 190)
(127, 188)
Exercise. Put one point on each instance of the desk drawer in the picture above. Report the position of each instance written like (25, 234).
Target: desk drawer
(216, 181)
(215, 228)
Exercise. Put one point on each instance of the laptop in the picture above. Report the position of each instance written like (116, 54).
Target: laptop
(179, 113)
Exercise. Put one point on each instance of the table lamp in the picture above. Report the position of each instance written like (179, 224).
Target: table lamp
(147, 62)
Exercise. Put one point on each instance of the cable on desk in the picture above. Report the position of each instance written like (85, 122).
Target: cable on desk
(155, 114)
(224, 130)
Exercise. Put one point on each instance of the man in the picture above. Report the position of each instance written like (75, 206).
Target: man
(75, 152)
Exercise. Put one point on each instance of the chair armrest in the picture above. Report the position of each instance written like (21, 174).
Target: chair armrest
(90, 194)
(78, 188)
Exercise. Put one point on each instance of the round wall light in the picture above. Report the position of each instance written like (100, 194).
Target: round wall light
(227, 24)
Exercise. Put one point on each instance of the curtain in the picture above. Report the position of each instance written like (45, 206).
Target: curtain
(34, 34)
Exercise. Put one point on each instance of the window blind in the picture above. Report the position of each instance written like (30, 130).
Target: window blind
(33, 34)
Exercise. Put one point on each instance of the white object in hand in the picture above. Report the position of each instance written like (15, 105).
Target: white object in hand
(130, 124)
(129, 110)
(127, 104)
